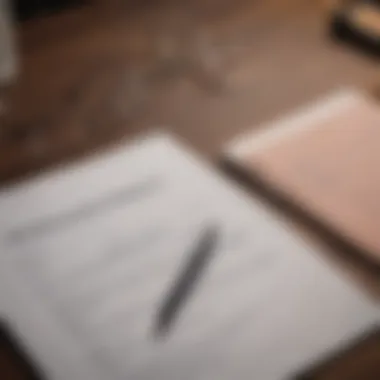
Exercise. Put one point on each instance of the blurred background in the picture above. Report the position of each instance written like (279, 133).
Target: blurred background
(89, 72)
(76, 76)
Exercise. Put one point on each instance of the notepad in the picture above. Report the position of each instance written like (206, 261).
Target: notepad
(90, 252)
(323, 159)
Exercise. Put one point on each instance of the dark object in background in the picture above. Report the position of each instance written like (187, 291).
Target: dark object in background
(358, 22)
(358, 362)
(26, 9)
(15, 364)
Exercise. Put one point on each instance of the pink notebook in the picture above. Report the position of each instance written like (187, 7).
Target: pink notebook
(325, 160)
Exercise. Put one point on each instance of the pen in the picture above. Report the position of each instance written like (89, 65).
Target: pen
(185, 284)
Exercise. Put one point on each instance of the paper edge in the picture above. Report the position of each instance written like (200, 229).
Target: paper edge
(303, 119)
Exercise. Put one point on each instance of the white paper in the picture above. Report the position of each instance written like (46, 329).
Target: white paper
(90, 253)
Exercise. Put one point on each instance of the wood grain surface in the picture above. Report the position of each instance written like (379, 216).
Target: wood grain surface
(207, 70)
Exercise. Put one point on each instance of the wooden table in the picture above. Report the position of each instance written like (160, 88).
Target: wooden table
(205, 69)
